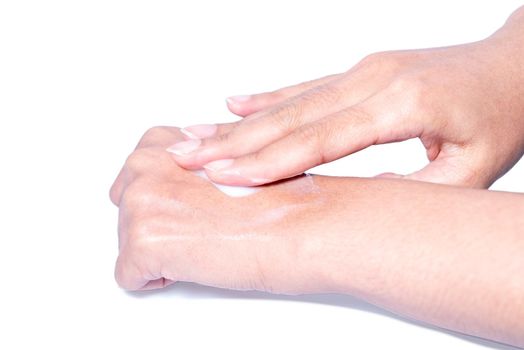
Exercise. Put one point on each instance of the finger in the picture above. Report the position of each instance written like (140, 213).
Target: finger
(244, 105)
(128, 275)
(325, 140)
(156, 137)
(252, 134)
(141, 162)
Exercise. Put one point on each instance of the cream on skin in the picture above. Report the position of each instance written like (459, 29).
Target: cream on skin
(231, 191)
(306, 185)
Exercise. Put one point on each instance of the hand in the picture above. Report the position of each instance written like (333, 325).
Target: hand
(465, 103)
(405, 246)
(176, 226)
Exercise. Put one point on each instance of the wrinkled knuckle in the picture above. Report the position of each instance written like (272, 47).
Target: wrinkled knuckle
(312, 137)
(224, 138)
(325, 95)
(358, 117)
(287, 116)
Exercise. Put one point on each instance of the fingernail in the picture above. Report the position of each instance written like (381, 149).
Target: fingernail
(184, 147)
(218, 165)
(224, 167)
(199, 131)
(238, 99)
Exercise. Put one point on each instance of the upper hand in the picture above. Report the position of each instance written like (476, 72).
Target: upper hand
(465, 103)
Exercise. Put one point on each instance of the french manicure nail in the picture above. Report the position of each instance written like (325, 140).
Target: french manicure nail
(199, 131)
(218, 165)
(238, 99)
(184, 147)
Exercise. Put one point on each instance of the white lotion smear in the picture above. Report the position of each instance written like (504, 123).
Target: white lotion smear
(232, 191)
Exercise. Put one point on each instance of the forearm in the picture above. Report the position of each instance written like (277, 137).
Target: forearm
(448, 256)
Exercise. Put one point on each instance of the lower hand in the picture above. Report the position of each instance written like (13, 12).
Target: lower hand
(176, 226)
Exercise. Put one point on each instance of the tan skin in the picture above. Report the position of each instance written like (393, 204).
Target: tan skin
(448, 256)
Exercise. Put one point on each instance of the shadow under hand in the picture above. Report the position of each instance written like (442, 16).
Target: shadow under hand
(195, 291)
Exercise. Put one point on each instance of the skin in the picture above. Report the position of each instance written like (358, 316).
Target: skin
(448, 256)
(465, 103)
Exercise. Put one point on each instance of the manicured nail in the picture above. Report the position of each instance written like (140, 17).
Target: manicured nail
(238, 99)
(224, 167)
(200, 131)
(184, 147)
(218, 165)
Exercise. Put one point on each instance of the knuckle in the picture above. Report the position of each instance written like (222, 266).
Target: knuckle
(374, 58)
(287, 116)
(140, 193)
(140, 159)
(379, 59)
(144, 233)
(271, 97)
(139, 230)
(114, 194)
(154, 134)
(412, 90)
(225, 138)
(312, 137)
(155, 131)
(325, 94)
(290, 115)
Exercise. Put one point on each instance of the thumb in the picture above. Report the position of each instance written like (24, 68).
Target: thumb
(447, 170)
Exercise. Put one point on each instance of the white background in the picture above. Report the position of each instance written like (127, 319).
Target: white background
(80, 81)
